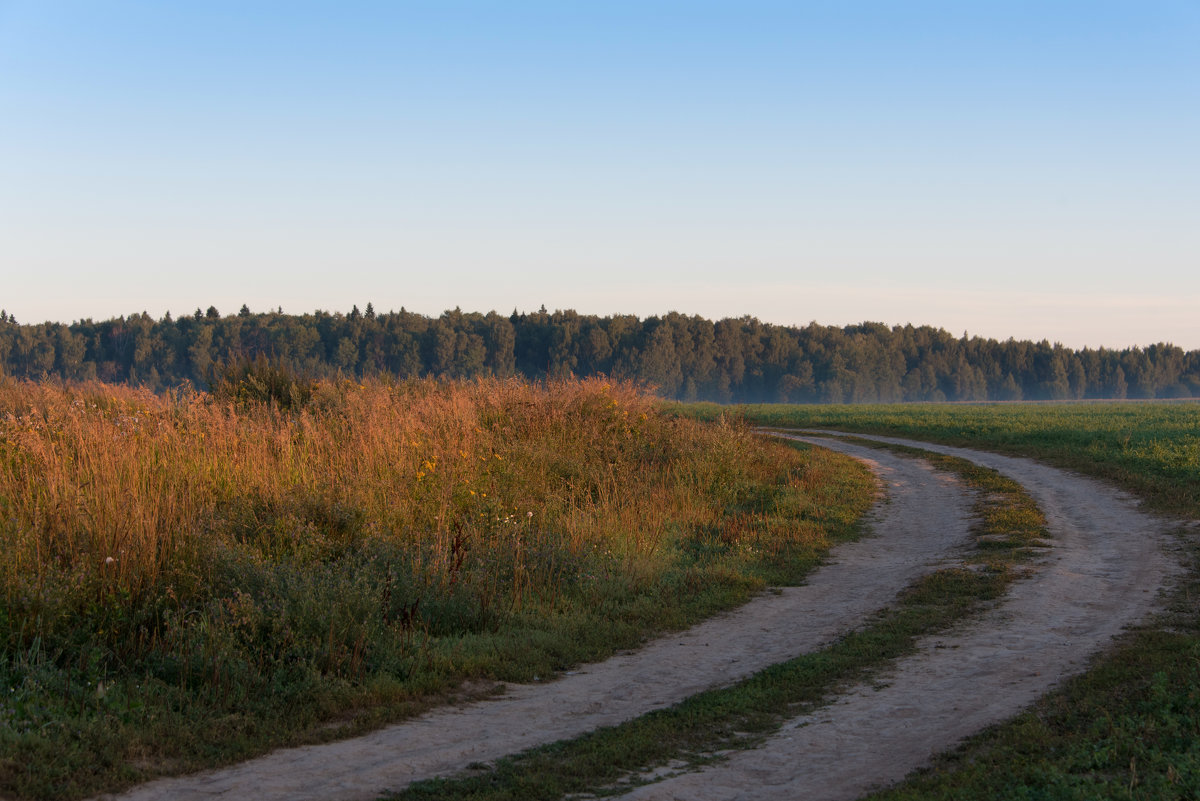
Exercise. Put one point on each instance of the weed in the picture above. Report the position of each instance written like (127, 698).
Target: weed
(695, 731)
(194, 578)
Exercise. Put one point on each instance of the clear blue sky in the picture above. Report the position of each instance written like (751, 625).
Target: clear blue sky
(1025, 169)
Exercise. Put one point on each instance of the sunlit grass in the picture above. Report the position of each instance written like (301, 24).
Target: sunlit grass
(698, 730)
(193, 578)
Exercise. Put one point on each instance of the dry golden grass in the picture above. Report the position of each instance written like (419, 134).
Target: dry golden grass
(122, 486)
(192, 578)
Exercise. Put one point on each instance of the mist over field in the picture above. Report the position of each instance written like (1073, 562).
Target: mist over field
(678, 356)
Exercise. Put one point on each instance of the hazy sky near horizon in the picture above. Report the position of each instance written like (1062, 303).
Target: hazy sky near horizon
(1023, 169)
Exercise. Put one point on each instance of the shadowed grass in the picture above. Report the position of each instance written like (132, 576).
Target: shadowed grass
(1130, 727)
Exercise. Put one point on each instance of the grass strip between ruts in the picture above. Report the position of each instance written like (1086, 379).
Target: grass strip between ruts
(1125, 729)
(694, 732)
(1128, 728)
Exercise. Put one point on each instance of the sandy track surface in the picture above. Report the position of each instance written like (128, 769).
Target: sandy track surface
(923, 522)
(1103, 574)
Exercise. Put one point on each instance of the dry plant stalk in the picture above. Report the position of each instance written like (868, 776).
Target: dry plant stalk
(129, 490)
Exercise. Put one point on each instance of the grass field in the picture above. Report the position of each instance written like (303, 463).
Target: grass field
(1152, 449)
(190, 579)
(1130, 727)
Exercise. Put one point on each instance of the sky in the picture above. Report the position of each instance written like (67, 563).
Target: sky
(996, 167)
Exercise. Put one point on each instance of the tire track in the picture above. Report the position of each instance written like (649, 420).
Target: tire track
(1104, 573)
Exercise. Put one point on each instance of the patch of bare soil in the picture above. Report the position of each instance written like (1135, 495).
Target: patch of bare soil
(922, 522)
(1104, 573)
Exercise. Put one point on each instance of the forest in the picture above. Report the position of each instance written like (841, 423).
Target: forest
(682, 357)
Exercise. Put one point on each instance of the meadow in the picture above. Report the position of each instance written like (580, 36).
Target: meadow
(1130, 726)
(192, 578)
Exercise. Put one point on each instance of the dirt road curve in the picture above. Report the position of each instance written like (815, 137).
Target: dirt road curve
(1104, 573)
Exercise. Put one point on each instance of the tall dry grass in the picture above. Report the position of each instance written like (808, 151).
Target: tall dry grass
(193, 577)
(124, 493)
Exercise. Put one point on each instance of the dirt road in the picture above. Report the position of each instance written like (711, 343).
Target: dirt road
(1106, 568)
(1104, 573)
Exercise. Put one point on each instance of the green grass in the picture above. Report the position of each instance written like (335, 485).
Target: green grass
(1129, 728)
(695, 731)
(1152, 449)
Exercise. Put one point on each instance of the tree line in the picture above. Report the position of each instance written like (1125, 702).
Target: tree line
(683, 357)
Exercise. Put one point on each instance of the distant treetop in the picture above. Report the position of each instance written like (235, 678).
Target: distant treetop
(688, 358)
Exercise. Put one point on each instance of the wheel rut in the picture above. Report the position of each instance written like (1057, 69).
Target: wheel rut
(1088, 589)
(1103, 574)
